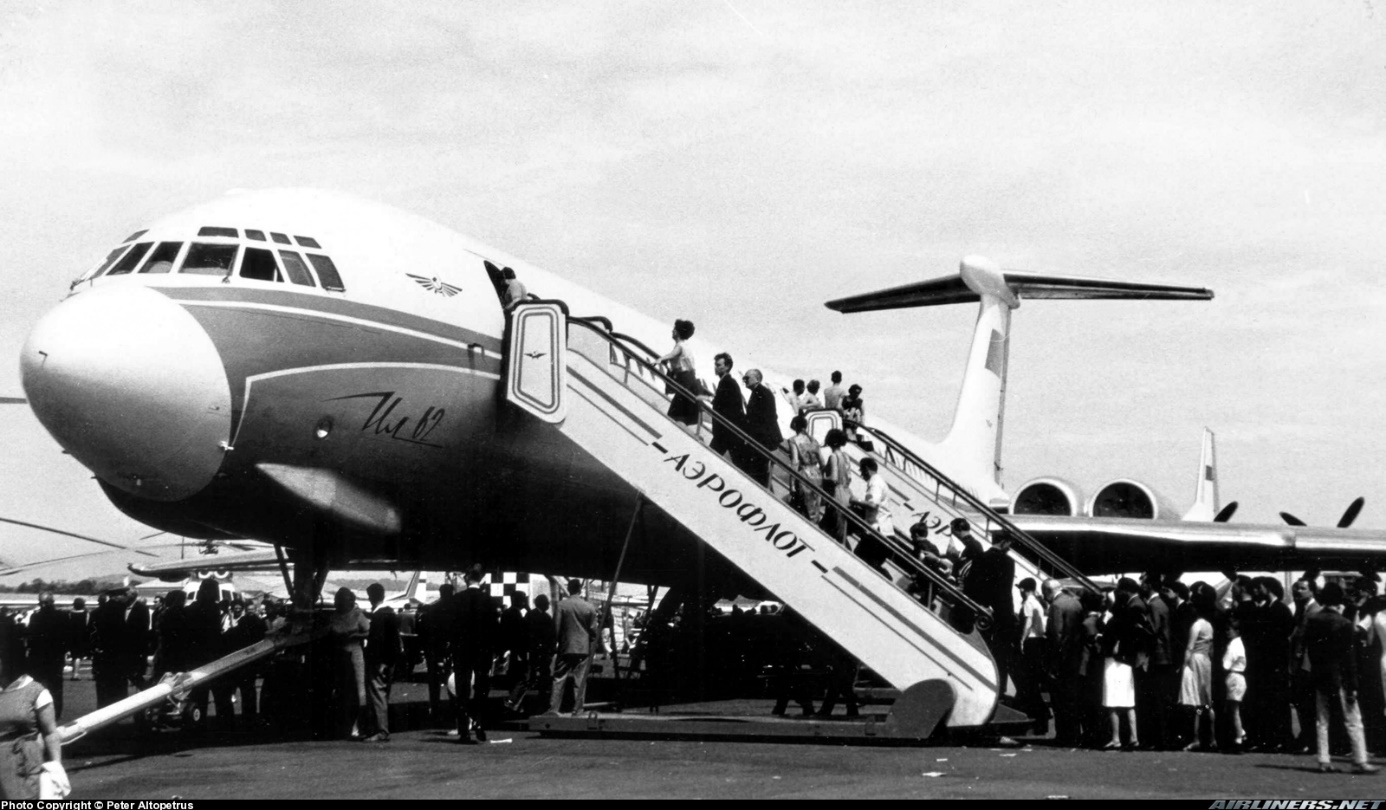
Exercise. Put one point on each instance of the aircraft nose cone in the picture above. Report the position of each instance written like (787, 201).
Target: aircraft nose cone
(130, 384)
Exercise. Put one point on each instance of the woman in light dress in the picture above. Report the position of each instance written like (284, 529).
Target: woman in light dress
(1196, 681)
(837, 480)
(1120, 646)
(806, 455)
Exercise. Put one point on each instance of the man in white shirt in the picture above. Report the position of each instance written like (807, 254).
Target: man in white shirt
(876, 512)
(1029, 689)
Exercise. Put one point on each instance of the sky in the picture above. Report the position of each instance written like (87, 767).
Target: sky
(740, 162)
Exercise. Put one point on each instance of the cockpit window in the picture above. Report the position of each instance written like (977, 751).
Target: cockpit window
(295, 268)
(258, 236)
(110, 260)
(162, 258)
(307, 241)
(327, 272)
(210, 260)
(208, 230)
(131, 259)
(132, 237)
(280, 238)
(259, 265)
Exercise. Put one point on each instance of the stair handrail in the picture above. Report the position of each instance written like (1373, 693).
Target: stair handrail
(982, 612)
(1022, 537)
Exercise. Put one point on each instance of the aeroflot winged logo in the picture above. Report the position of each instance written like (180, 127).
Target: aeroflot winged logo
(435, 286)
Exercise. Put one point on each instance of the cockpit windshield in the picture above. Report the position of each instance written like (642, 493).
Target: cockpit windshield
(219, 258)
(161, 259)
(210, 260)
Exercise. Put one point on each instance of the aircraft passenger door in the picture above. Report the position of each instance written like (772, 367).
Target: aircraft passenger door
(536, 370)
(820, 422)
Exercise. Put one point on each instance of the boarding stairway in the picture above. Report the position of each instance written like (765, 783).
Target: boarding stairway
(595, 386)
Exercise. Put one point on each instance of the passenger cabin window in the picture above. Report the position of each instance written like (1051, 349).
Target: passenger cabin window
(131, 260)
(162, 258)
(132, 237)
(295, 268)
(258, 236)
(259, 265)
(210, 260)
(110, 260)
(307, 241)
(327, 272)
(280, 238)
(211, 231)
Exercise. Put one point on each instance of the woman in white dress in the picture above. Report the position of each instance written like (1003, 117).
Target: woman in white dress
(1196, 683)
(1118, 676)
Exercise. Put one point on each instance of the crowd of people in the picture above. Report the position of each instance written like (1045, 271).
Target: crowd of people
(341, 685)
(1162, 665)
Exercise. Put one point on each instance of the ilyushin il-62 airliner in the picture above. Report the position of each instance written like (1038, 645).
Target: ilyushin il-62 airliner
(340, 379)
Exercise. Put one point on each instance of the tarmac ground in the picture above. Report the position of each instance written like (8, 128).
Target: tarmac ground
(424, 762)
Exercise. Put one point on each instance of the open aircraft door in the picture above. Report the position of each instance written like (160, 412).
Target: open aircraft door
(822, 421)
(535, 371)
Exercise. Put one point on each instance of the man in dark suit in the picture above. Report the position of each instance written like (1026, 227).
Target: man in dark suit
(110, 661)
(1159, 684)
(1328, 641)
(137, 621)
(542, 637)
(727, 403)
(763, 423)
(475, 625)
(1272, 662)
(989, 583)
(49, 640)
(1063, 634)
(435, 629)
(382, 653)
(79, 635)
(578, 631)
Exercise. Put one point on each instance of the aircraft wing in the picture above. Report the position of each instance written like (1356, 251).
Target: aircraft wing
(260, 560)
(1123, 545)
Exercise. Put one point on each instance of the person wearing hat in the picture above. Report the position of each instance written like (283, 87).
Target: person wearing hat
(853, 412)
(1031, 683)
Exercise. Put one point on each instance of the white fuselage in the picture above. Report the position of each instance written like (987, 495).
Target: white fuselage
(240, 395)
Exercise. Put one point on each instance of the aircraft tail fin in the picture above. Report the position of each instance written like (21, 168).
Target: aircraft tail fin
(1205, 504)
(973, 443)
(417, 584)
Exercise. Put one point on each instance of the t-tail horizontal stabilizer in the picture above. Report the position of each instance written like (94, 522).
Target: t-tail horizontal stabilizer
(959, 289)
(973, 444)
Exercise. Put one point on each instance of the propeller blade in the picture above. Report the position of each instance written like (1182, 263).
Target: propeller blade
(13, 401)
(1226, 514)
(1353, 510)
(1291, 519)
(78, 536)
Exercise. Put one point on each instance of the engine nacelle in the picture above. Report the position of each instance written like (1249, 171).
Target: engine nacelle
(1047, 496)
(1128, 498)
